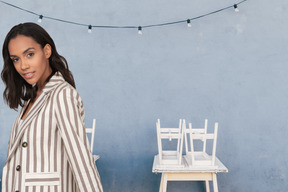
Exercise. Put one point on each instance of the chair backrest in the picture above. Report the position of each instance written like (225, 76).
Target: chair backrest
(170, 157)
(200, 157)
(92, 132)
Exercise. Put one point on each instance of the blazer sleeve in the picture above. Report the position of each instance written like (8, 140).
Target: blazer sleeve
(69, 116)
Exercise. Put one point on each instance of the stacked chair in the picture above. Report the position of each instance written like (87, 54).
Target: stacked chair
(200, 157)
(91, 130)
(170, 157)
(198, 162)
(194, 156)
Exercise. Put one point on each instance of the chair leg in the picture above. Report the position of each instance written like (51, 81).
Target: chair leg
(207, 186)
(215, 185)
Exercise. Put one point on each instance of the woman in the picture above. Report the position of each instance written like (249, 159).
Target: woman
(48, 148)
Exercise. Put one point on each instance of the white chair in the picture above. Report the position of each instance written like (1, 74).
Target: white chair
(200, 157)
(92, 132)
(170, 157)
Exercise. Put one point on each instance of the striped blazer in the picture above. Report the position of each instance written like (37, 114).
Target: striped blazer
(51, 152)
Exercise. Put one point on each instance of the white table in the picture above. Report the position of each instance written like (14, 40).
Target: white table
(186, 173)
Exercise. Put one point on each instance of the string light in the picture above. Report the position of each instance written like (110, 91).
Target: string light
(40, 18)
(189, 23)
(90, 29)
(236, 8)
(140, 30)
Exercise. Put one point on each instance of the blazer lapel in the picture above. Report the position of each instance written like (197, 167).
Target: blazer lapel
(15, 126)
(27, 121)
(55, 80)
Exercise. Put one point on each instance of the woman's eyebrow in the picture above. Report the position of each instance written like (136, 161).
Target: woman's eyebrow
(28, 50)
(23, 51)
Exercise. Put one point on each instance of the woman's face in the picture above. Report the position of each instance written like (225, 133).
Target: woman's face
(30, 60)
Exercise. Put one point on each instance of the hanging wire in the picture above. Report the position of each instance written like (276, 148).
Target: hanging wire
(124, 27)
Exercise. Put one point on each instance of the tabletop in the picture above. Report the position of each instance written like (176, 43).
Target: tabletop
(218, 167)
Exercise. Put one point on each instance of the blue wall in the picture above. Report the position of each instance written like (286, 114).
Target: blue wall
(229, 67)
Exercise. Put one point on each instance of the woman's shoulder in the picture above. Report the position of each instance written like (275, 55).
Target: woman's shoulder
(62, 89)
(58, 83)
(66, 89)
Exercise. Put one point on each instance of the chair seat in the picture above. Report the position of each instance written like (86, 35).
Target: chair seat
(200, 159)
(171, 158)
(169, 161)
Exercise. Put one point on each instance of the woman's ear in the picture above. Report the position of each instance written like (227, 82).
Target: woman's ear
(47, 51)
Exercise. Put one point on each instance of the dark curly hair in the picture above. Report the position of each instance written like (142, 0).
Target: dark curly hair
(17, 90)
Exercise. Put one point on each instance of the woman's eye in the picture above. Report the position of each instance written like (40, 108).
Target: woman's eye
(30, 54)
(14, 60)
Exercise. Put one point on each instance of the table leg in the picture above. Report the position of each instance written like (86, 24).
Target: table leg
(207, 186)
(161, 183)
(215, 185)
(165, 182)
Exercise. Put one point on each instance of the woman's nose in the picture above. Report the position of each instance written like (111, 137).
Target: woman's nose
(24, 65)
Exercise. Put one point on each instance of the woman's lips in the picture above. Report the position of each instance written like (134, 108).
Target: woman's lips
(29, 75)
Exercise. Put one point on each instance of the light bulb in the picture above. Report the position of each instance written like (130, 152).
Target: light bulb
(140, 30)
(90, 29)
(40, 18)
(189, 23)
(236, 8)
